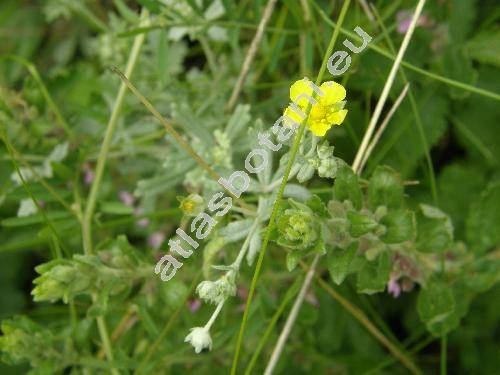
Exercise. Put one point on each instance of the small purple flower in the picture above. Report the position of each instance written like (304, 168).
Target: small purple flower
(156, 239)
(127, 198)
(404, 17)
(242, 293)
(393, 287)
(144, 222)
(194, 305)
(88, 174)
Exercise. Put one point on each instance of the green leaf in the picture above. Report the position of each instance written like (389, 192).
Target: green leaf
(154, 6)
(385, 189)
(360, 223)
(317, 205)
(435, 230)
(238, 121)
(459, 67)
(459, 185)
(483, 222)
(482, 274)
(400, 226)
(435, 306)
(236, 230)
(485, 47)
(346, 186)
(400, 147)
(35, 219)
(116, 208)
(460, 18)
(474, 119)
(339, 262)
(293, 258)
(373, 276)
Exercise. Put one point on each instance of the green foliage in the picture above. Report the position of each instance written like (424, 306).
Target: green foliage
(411, 267)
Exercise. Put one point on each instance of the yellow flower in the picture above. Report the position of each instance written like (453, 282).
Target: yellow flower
(329, 109)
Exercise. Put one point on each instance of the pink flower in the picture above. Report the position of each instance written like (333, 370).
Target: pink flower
(144, 222)
(194, 305)
(393, 287)
(242, 293)
(404, 17)
(88, 174)
(127, 198)
(156, 239)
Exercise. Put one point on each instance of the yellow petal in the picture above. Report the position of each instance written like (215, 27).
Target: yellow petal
(319, 128)
(292, 118)
(318, 112)
(338, 117)
(333, 93)
(298, 88)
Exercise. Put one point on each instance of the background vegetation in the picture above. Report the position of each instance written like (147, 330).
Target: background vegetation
(90, 186)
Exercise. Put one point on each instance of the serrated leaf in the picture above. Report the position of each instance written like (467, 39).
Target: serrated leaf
(435, 306)
(292, 259)
(482, 274)
(360, 223)
(485, 47)
(401, 146)
(459, 185)
(373, 276)
(483, 222)
(339, 262)
(434, 230)
(385, 188)
(346, 186)
(317, 206)
(400, 226)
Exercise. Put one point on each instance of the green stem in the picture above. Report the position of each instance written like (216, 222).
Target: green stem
(105, 147)
(106, 342)
(277, 202)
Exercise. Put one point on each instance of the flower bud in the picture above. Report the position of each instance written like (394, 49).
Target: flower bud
(192, 205)
(297, 229)
(200, 338)
(217, 291)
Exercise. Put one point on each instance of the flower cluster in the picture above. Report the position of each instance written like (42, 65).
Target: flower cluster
(298, 229)
(217, 291)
